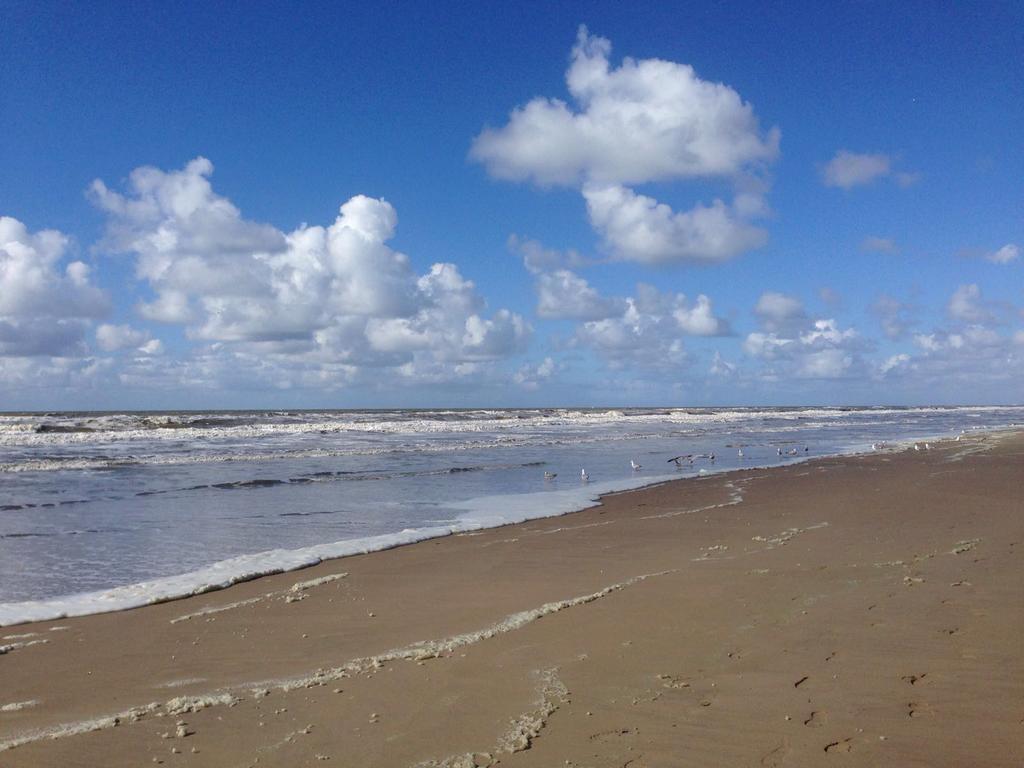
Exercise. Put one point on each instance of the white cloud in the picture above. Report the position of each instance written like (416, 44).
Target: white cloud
(699, 319)
(113, 338)
(639, 228)
(565, 295)
(777, 311)
(966, 304)
(873, 244)
(644, 121)
(537, 258)
(531, 377)
(649, 332)
(334, 299)
(1004, 255)
(721, 367)
(894, 363)
(894, 316)
(45, 308)
(821, 350)
(850, 169)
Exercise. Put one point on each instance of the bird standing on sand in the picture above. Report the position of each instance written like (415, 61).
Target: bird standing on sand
(584, 476)
(636, 467)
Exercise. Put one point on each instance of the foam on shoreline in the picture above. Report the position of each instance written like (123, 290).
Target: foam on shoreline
(472, 515)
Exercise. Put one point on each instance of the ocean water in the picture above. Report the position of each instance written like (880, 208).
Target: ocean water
(104, 511)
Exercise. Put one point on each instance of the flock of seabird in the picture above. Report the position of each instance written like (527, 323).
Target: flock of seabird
(685, 459)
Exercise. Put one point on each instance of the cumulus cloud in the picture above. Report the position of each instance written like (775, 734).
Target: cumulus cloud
(565, 295)
(531, 377)
(638, 228)
(118, 338)
(699, 319)
(644, 121)
(966, 304)
(333, 298)
(537, 258)
(778, 311)
(113, 338)
(650, 331)
(647, 120)
(850, 169)
(721, 367)
(822, 350)
(46, 306)
(1004, 255)
(895, 316)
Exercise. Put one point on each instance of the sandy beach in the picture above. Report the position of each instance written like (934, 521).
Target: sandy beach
(848, 611)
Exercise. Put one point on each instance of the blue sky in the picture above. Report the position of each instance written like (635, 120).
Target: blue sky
(528, 204)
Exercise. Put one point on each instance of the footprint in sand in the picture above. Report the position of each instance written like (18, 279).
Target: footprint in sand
(916, 709)
(776, 756)
(915, 679)
(845, 745)
(614, 733)
(673, 681)
(816, 719)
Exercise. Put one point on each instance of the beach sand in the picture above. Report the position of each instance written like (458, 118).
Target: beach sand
(844, 611)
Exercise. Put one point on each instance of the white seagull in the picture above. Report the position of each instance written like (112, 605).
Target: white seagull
(636, 467)
(739, 453)
(584, 476)
(550, 475)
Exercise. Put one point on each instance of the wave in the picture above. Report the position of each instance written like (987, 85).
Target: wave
(481, 513)
(36, 430)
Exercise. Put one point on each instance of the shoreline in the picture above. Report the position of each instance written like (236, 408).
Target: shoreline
(804, 587)
(247, 567)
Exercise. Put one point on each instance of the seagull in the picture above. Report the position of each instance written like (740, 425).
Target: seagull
(793, 451)
(740, 453)
(958, 438)
(584, 476)
(927, 446)
(678, 459)
(917, 447)
(550, 475)
(636, 467)
(778, 451)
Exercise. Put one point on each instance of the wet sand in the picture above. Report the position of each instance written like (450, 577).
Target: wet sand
(844, 611)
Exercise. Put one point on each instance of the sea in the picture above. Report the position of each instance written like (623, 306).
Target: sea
(109, 511)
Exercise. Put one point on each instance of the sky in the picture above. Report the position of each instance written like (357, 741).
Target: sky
(259, 205)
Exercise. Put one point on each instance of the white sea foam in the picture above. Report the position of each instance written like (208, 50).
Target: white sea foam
(482, 512)
(17, 706)
(418, 651)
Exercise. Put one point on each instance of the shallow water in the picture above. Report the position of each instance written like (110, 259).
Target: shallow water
(183, 501)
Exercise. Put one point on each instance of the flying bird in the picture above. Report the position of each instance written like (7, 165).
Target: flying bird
(679, 459)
